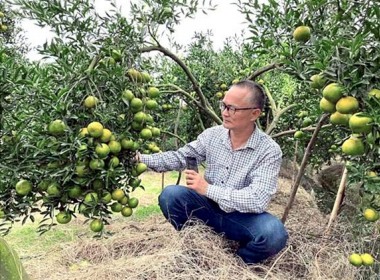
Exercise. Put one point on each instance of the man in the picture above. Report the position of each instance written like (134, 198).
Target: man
(240, 177)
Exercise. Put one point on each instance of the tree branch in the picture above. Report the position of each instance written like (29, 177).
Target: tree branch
(206, 109)
(263, 70)
(292, 131)
(194, 82)
(305, 159)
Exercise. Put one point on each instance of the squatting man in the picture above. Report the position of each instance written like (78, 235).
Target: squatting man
(242, 166)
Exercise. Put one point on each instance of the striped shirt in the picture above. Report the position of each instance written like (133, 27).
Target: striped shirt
(241, 180)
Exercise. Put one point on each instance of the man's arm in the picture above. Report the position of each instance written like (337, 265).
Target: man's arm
(254, 198)
(176, 160)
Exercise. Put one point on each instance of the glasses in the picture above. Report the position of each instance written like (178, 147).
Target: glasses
(232, 109)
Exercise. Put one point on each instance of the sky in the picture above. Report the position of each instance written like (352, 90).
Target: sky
(224, 22)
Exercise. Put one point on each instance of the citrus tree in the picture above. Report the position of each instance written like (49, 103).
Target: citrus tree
(331, 49)
(71, 127)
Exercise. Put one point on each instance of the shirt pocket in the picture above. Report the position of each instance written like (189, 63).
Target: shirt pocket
(215, 173)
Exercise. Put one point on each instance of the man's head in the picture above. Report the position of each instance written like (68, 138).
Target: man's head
(242, 105)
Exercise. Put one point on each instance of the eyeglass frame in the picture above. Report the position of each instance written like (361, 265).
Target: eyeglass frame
(231, 109)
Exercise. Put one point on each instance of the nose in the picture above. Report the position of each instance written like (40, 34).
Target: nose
(225, 112)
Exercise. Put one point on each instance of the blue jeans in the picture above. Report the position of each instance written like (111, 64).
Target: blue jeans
(259, 235)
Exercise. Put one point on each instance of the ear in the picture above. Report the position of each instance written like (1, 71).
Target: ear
(255, 114)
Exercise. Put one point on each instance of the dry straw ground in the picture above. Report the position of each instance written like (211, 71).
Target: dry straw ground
(152, 249)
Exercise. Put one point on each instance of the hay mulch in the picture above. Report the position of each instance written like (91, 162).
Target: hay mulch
(152, 249)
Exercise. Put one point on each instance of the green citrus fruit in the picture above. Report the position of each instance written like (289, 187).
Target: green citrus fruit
(307, 122)
(137, 126)
(155, 131)
(126, 211)
(332, 92)
(219, 95)
(145, 76)
(299, 134)
(91, 197)
(96, 164)
(360, 124)
(156, 149)
(102, 150)
(23, 187)
(114, 162)
(56, 127)
(3, 27)
(95, 129)
(124, 200)
(141, 168)
(355, 260)
(134, 75)
(146, 133)
(116, 207)
(136, 146)
(81, 170)
(136, 104)
(128, 95)
(371, 138)
(317, 81)
(83, 132)
(91, 102)
(149, 118)
(371, 215)
(106, 197)
(133, 202)
(302, 34)
(54, 189)
(106, 135)
(153, 92)
(97, 185)
(374, 93)
(347, 105)
(371, 174)
(115, 147)
(117, 55)
(353, 147)
(151, 104)
(139, 117)
(75, 191)
(118, 194)
(63, 217)
(134, 182)
(127, 144)
(367, 259)
(43, 185)
(96, 225)
(326, 106)
(339, 119)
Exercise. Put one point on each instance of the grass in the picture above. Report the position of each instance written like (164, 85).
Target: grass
(27, 241)
(144, 212)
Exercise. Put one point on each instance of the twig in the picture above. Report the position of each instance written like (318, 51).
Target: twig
(274, 264)
(303, 166)
(263, 70)
(192, 79)
(338, 199)
(287, 132)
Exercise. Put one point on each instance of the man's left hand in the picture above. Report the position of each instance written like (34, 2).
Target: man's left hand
(196, 182)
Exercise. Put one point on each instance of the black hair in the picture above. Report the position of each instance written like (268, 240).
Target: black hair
(257, 97)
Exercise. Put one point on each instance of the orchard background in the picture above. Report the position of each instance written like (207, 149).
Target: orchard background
(108, 87)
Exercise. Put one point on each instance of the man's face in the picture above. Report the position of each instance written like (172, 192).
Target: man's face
(242, 119)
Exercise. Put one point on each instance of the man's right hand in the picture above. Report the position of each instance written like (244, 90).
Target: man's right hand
(137, 157)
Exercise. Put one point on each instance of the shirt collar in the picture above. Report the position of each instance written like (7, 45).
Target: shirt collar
(252, 142)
